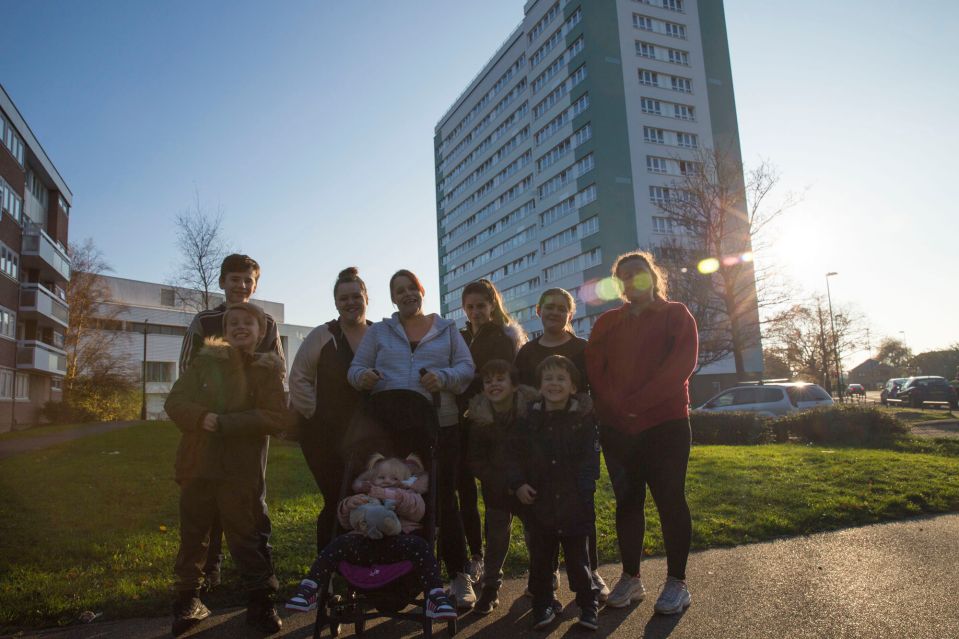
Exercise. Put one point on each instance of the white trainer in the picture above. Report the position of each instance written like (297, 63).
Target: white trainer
(627, 590)
(674, 598)
(603, 588)
(462, 587)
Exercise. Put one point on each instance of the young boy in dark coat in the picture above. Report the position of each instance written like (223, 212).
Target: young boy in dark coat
(553, 472)
(492, 417)
(226, 403)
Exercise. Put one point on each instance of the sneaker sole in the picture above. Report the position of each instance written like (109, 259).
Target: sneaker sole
(587, 624)
(292, 606)
(486, 611)
(673, 611)
(623, 604)
(442, 616)
(545, 622)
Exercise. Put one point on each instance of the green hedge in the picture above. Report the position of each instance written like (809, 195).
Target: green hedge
(730, 428)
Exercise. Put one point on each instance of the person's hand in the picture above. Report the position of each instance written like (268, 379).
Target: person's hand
(209, 422)
(431, 382)
(369, 378)
(356, 501)
(526, 494)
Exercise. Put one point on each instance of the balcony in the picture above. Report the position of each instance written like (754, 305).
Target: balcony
(37, 302)
(41, 358)
(41, 252)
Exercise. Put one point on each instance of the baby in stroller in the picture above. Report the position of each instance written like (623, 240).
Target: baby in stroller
(401, 482)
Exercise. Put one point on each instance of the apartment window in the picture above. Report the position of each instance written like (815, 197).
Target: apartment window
(9, 262)
(23, 386)
(6, 383)
(576, 264)
(683, 85)
(8, 323)
(167, 297)
(655, 164)
(13, 142)
(651, 106)
(56, 383)
(572, 234)
(679, 57)
(10, 201)
(675, 30)
(689, 168)
(159, 371)
(683, 112)
(687, 140)
(653, 135)
(642, 22)
(645, 50)
(659, 194)
(673, 5)
(569, 205)
(648, 78)
(581, 167)
(664, 225)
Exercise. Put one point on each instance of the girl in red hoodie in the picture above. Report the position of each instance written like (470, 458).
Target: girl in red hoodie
(639, 358)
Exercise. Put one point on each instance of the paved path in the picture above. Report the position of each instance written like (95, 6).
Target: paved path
(947, 428)
(11, 447)
(890, 580)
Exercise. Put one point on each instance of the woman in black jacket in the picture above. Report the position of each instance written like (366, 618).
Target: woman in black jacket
(322, 396)
(491, 334)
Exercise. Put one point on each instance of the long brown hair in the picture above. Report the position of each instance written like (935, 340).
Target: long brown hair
(489, 291)
(660, 279)
(562, 292)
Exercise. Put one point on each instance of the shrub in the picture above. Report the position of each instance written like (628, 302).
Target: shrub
(89, 400)
(730, 428)
(844, 425)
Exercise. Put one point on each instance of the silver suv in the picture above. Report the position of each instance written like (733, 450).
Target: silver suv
(770, 400)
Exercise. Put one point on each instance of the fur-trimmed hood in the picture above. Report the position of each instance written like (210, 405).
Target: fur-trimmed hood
(481, 412)
(218, 348)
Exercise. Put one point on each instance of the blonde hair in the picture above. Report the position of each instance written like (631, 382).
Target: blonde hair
(378, 461)
(660, 280)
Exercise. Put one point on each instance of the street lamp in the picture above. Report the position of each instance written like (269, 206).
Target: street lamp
(143, 374)
(835, 344)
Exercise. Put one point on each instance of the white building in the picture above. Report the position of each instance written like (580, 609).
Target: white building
(549, 164)
(158, 309)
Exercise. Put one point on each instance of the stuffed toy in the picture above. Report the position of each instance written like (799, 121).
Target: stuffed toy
(376, 519)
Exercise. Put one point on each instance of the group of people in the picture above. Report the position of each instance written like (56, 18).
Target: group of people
(528, 419)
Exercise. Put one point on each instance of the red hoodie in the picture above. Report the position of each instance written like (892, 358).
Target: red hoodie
(639, 365)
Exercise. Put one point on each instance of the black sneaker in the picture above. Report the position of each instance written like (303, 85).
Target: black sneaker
(588, 618)
(487, 601)
(544, 617)
(261, 614)
(188, 611)
(211, 580)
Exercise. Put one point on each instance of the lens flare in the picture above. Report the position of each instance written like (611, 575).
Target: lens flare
(643, 281)
(707, 266)
(746, 257)
(608, 288)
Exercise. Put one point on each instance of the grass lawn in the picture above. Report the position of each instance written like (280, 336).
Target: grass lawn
(37, 431)
(92, 524)
(914, 415)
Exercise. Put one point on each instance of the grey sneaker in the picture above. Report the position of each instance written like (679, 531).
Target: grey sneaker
(462, 588)
(674, 598)
(626, 591)
(474, 569)
(603, 588)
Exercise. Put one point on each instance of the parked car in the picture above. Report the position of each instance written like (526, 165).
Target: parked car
(890, 390)
(771, 400)
(927, 389)
(856, 389)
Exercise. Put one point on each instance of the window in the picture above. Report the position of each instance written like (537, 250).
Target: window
(687, 140)
(576, 264)
(9, 262)
(679, 57)
(540, 26)
(560, 150)
(683, 85)
(8, 323)
(659, 194)
(648, 78)
(159, 371)
(645, 50)
(689, 168)
(6, 383)
(567, 206)
(23, 386)
(651, 106)
(572, 234)
(675, 30)
(12, 141)
(642, 22)
(167, 297)
(655, 164)
(683, 112)
(10, 201)
(653, 135)
(581, 167)
(56, 383)
(664, 225)
(673, 5)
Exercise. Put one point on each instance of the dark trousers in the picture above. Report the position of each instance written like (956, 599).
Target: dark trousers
(237, 505)
(327, 466)
(214, 555)
(452, 540)
(359, 550)
(657, 458)
(543, 547)
(468, 496)
(498, 527)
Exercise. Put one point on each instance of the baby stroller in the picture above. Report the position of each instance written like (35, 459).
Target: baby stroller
(395, 423)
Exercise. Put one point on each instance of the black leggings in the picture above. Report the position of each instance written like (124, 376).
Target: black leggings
(466, 489)
(327, 467)
(657, 458)
(359, 550)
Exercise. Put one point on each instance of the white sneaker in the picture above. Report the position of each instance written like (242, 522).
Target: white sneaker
(603, 588)
(474, 569)
(626, 591)
(462, 588)
(674, 598)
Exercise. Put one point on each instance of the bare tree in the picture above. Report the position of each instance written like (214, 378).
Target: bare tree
(93, 326)
(202, 247)
(801, 338)
(718, 215)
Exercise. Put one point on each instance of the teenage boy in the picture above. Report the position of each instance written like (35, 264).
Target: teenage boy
(554, 468)
(492, 416)
(239, 275)
(226, 404)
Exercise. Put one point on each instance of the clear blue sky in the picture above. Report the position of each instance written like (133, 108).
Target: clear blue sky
(310, 124)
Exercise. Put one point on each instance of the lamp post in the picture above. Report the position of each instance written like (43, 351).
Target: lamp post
(835, 344)
(143, 374)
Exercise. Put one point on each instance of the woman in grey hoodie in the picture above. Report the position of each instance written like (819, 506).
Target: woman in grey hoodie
(426, 354)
